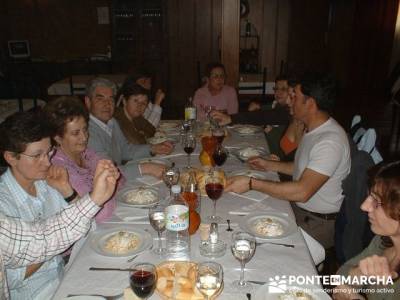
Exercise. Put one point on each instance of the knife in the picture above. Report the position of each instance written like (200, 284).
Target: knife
(257, 282)
(271, 243)
(110, 269)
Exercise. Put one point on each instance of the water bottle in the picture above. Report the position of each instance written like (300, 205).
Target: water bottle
(177, 226)
(190, 110)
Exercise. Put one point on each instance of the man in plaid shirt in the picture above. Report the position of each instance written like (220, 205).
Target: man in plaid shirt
(23, 243)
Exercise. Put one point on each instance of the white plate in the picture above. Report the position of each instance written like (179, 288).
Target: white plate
(272, 292)
(124, 193)
(161, 161)
(247, 129)
(84, 298)
(239, 153)
(250, 173)
(98, 240)
(169, 125)
(289, 226)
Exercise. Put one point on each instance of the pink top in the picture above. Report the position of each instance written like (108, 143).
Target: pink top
(224, 100)
(81, 179)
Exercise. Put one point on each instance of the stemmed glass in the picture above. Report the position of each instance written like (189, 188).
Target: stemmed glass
(243, 248)
(214, 190)
(189, 144)
(209, 278)
(170, 176)
(208, 109)
(220, 155)
(219, 134)
(157, 221)
(143, 279)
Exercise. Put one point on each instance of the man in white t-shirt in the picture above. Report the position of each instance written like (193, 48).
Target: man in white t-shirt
(322, 161)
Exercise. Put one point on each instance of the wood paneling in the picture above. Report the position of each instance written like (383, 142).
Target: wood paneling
(230, 40)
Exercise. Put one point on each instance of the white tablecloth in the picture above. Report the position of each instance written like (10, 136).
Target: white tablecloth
(269, 260)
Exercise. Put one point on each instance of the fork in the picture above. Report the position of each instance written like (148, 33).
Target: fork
(115, 297)
(271, 243)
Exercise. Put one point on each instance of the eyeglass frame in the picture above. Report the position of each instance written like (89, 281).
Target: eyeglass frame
(41, 156)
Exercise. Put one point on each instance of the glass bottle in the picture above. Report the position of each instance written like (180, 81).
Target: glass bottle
(190, 110)
(192, 197)
(177, 226)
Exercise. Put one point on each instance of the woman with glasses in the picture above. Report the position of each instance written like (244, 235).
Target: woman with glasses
(215, 93)
(69, 120)
(133, 101)
(382, 256)
(31, 190)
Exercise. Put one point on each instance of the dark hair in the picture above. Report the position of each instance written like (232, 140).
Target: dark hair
(133, 90)
(211, 66)
(23, 128)
(131, 80)
(63, 110)
(320, 87)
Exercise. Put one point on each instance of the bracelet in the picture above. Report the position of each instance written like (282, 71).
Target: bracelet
(72, 197)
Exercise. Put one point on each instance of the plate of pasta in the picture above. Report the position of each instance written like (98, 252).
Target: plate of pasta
(138, 196)
(122, 241)
(269, 225)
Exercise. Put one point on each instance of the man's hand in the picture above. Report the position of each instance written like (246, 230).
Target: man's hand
(152, 169)
(221, 118)
(258, 163)
(104, 181)
(57, 178)
(162, 148)
(253, 106)
(345, 292)
(237, 184)
(159, 97)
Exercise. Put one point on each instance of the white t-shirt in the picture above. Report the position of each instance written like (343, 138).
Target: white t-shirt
(325, 150)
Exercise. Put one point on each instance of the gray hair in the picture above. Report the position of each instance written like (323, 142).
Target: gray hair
(102, 82)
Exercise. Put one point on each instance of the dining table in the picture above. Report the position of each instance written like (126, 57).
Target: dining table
(270, 263)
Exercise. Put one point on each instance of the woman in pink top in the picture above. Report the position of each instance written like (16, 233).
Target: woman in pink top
(69, 119)
(215, 94)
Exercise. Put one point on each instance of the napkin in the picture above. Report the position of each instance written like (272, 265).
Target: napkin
(149, 180)
(129, 295)
(131, 213)
(245, 210)
(252, 195)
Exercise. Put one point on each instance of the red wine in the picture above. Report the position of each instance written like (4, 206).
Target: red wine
(143, 283)
(214, 190)
(220, 158)
(188, 150)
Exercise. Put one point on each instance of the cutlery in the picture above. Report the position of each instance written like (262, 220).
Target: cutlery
(132, 258)
(229, 225)
(248, 295)
(278, 244)
(115, 297)
(257, 282)
(110, 269)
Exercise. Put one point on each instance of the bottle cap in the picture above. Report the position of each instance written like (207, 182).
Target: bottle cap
(176, 189)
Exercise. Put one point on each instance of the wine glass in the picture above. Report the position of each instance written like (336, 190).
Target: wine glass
(220, 155)
(208, 109)
(243, 248)
(189, 144)
(214, 190)
(170, 176)
(209, 278)
(157, 221)
(219, 133)
(143, 279)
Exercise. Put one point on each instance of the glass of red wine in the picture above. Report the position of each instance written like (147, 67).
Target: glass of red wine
(143, 279)
(220, 155)
(214, 190)
(189, 144)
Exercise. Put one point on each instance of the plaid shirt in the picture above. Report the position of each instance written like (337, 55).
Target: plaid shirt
(17, 203)
(23, 243)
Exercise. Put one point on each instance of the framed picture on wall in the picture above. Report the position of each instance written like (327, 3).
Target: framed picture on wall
(19, 49)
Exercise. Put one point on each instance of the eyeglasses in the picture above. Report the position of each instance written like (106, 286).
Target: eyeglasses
(375, 201)
(216, 75)
(41, 156)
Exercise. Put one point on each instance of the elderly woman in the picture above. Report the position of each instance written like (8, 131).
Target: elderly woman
(134, 126)
(153, 110)
(382, 256)
(69, 119)
(215, 93)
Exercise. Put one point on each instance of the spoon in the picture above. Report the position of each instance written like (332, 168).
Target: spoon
(229, 225)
